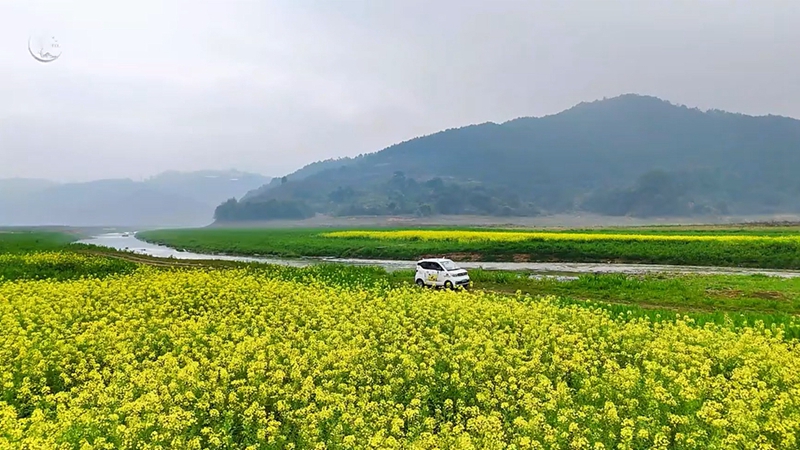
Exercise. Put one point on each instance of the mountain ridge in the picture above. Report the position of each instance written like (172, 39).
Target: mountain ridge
(628, 155)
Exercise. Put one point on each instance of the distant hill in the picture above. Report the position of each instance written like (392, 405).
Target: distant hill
(15, 187)
(168, 199)
(305, 172)
(630, 155)
(207, 186)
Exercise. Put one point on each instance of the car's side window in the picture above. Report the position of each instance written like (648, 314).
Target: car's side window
(437, 267)
(424, 266)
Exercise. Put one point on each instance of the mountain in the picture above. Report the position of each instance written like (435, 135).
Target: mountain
(305, 172)
(15, 188)
(168, 199)
(630, 155)
(207, 186)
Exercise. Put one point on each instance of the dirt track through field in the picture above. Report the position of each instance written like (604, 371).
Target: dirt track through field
(150, 261)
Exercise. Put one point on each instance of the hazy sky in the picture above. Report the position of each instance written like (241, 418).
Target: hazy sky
(268, 86)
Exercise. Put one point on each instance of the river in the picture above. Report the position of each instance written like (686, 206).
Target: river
(127, 241)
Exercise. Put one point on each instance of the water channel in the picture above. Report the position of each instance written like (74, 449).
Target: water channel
(129, 242)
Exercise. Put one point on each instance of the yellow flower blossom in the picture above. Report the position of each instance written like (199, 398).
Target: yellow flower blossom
(517, 236)
(231, 358)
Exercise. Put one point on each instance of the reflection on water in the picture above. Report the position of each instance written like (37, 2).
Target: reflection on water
(128, 242)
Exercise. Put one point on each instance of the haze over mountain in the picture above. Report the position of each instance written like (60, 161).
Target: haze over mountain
(630, 155)
(167, 199)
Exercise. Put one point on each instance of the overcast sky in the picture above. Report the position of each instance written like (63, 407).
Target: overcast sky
(268, 86)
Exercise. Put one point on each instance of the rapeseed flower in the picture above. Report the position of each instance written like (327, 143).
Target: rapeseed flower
(196, 359)
(517, 236)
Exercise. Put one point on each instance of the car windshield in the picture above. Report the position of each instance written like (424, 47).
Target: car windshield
(449, 265)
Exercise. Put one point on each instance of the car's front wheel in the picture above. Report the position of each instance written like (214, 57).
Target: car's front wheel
(448, 285)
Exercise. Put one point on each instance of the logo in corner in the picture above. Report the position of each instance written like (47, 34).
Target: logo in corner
(44, 48)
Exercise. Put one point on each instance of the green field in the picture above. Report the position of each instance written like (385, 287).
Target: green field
(20, 241)
(783, 253)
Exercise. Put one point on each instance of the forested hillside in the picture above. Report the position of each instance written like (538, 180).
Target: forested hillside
(629, 155)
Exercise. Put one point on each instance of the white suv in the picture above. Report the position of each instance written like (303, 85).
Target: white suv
(440, 272)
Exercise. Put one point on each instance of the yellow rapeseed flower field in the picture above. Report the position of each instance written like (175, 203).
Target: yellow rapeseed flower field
(58, 265)
(228, 359)
(49, 258)
(517, 236)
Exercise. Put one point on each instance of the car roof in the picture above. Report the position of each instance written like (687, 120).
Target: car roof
(436, 260)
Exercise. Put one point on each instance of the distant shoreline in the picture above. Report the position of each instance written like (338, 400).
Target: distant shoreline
(550, 221)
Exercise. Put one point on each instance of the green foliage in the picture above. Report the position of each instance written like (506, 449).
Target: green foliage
(309, 242)
(39, 255)
(21, 241)
(740, 293)
(59, 266)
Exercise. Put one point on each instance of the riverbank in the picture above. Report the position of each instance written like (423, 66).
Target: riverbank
(767, 247)
(131, 245)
